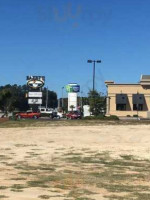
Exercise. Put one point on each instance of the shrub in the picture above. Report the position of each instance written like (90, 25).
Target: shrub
(135, 116)
(101, 117)
(113, 117)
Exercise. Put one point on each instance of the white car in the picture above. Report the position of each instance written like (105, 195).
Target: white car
(60, 115)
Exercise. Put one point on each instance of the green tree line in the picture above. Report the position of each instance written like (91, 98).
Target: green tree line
(13, 97)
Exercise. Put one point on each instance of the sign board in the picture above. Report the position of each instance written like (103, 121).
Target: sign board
(73, 87)
(36, 78)
(72, 101)
(86, 111)
(35, 82)
(34, 101)
(35, 94)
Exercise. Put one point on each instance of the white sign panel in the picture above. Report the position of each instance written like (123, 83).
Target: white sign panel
(86, 110)
(35, 94)
(34, 101)
(72, 101)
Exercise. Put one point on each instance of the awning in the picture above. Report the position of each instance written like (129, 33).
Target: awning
(138, 99)
(121, 98)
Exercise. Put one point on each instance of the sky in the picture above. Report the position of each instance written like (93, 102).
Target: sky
(55, 38)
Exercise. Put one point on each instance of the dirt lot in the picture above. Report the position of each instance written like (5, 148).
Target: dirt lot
(75, 162)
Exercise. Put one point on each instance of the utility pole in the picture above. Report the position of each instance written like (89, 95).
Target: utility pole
(137, 105)
(81, 102)
(62, 97)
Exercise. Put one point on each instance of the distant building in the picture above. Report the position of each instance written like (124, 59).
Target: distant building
(129, 99)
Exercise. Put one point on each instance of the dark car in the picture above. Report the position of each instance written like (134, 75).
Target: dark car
(73, 115)
(28, 114)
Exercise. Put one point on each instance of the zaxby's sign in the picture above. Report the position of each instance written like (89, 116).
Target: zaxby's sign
(35, 82)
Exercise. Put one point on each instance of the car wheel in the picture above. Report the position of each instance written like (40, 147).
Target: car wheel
(51, 116)
(35, 117)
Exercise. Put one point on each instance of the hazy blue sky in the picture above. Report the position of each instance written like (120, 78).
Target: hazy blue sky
(56, 37)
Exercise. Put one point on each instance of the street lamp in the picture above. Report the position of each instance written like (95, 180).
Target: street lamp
(62, 102)
(94, 61)
(137, 104)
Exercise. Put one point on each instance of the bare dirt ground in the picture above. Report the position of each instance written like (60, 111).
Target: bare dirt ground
(75, 162)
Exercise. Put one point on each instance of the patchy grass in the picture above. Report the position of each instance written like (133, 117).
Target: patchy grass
(43, 181)
(5, 157)
(25, 145)
(81, 174)
(46, 123)
(3, 196)
(3, 187)
(18, 178)
(76, 193)
(18, 187)
(44, 196)
(84, 198)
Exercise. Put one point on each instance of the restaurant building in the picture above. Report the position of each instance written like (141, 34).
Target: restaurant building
(129, 99)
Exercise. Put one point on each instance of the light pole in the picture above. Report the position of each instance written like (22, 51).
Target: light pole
(62, 102)
(94, 61)
(137, 105)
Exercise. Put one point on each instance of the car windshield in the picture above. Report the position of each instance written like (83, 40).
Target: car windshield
(76, 112)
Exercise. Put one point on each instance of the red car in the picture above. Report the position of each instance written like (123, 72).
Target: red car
(73, 115)
(28, 114)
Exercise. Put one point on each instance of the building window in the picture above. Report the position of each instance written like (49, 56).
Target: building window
(120, 106)
(121, 101)
(139, 106)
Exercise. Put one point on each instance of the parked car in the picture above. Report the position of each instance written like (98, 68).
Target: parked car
(56, 115)
(60, 115)
(73, 115)
(29, 114)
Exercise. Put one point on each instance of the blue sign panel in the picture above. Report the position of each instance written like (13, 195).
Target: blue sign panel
(73, 88)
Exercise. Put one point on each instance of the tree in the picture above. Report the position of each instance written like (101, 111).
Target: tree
(72, 107)
(5, 103)
(52, 98)
(12, 97)
(96, 102)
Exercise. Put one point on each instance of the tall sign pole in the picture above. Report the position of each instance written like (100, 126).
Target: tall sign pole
(47, 97)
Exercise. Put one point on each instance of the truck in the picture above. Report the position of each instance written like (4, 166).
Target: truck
(46, 112)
